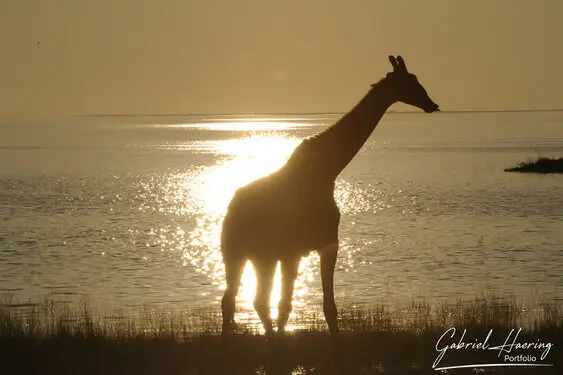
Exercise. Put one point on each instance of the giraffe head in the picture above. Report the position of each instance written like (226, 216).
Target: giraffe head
(407, 88)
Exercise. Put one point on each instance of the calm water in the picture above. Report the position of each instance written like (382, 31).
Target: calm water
(128, 210)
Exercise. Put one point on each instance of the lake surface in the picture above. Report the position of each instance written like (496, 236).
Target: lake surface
(127, 210)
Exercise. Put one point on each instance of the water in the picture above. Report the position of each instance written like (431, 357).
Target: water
(128, 210)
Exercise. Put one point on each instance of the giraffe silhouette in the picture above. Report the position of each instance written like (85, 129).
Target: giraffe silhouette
(291, 212)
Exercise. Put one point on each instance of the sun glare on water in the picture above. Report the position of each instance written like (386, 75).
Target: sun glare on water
(270, 125)
(199, 197)
(245, 159)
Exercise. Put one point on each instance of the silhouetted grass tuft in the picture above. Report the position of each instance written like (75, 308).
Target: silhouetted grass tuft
(539, 165)
(57, 338)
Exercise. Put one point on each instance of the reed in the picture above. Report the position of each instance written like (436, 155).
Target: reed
(61, 338)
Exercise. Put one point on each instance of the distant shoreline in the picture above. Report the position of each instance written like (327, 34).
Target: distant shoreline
(296, 113)
(539, 165)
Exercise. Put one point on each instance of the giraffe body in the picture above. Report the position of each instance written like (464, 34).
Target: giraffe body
(280, 215)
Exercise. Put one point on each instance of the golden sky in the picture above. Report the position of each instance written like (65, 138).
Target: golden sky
(64, 57)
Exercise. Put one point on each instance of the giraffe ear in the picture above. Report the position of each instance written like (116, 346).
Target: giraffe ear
(393, 62)
(401, 63)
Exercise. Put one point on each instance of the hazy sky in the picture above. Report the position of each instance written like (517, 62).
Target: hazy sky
(140, 56)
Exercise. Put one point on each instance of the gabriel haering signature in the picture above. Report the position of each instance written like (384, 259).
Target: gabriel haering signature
(507, 355)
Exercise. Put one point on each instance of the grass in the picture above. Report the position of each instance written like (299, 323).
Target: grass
(55, 338)
(539, 165)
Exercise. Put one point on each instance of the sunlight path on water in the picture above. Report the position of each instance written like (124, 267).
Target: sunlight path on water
(245, 160)
(242, 126)
(209, 193)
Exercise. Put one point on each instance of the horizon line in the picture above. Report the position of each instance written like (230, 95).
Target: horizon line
(264, 114)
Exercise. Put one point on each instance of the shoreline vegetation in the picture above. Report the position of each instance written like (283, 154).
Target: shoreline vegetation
(60, 338)
(539, 165)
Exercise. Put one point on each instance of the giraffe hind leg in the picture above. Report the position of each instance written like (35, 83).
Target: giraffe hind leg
(233, 273)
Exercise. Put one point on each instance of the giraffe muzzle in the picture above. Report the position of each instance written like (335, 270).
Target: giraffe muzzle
(432, 108)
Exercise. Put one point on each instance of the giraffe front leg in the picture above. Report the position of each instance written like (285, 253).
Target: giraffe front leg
(289, 269)
(328, 263)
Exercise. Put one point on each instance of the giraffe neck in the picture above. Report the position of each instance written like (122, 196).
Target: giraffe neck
(326, 154)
